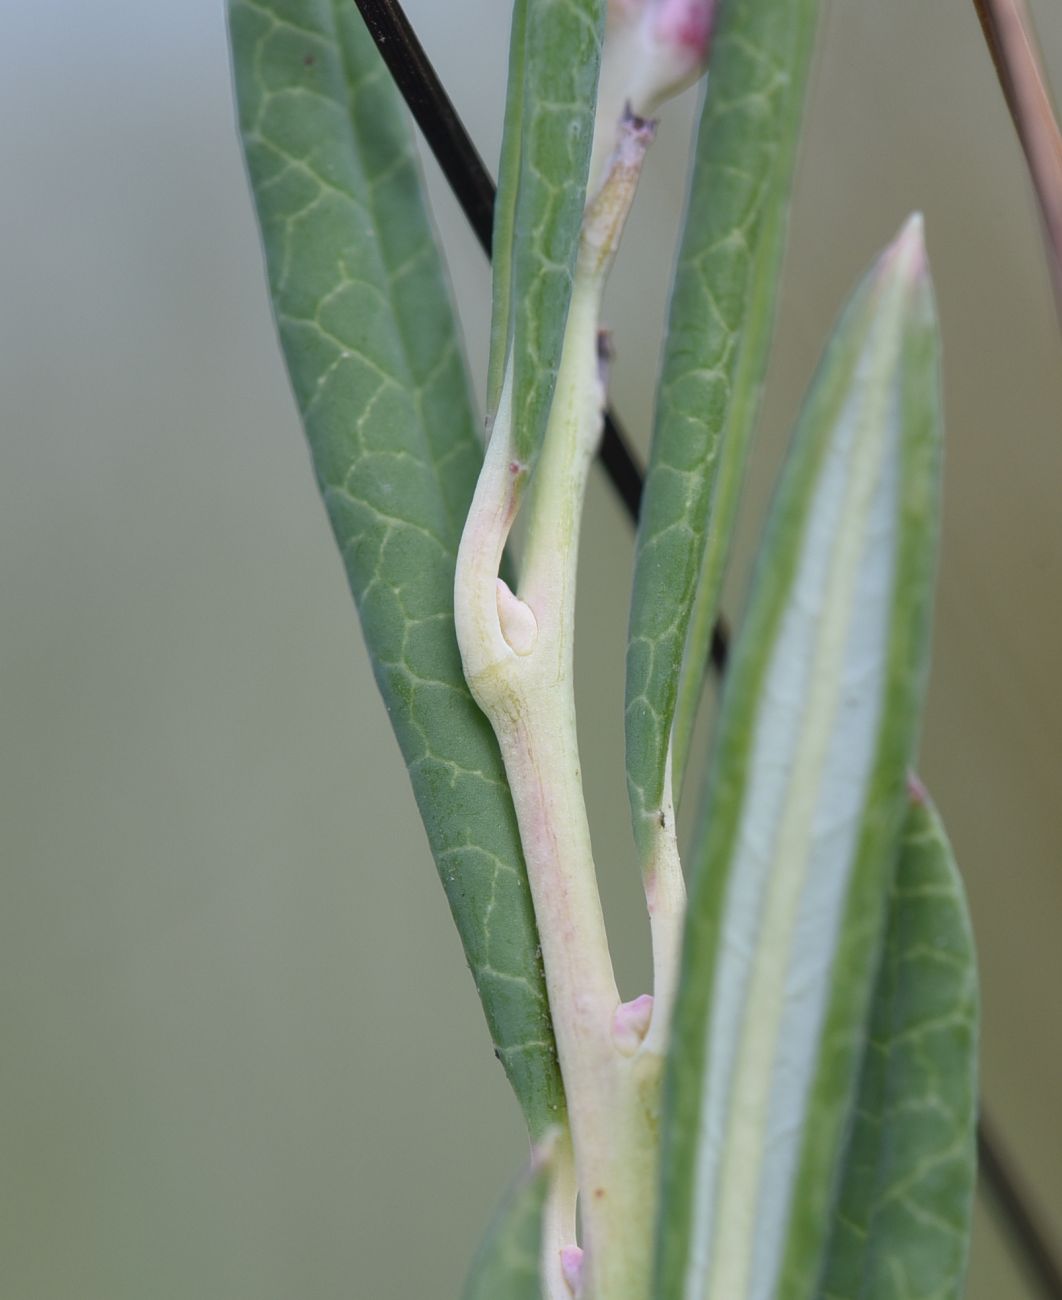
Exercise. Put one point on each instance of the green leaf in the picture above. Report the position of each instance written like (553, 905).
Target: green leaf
(722, 310)
(804, 812)
(365, 320)
(501, 321)
(554, 60)
(902, 1224)
(506, 1266)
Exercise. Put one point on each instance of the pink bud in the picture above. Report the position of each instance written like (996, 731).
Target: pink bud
(572, 1268)
(653, 49)
(686, 24)
(630, 1023)
(663, 45)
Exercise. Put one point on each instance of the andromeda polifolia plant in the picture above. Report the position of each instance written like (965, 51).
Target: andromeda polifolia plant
(789, 1113)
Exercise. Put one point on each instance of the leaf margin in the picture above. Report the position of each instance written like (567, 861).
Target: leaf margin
(775, 572)
(928, 889)
(661, 702)
(336, 56)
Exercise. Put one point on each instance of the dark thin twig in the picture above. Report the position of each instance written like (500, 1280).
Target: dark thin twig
(988, 26)
(1012, 1203)
(470, 181)
(434, 113)
(1011, 41)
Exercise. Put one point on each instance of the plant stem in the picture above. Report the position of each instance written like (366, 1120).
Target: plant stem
(665, 897)
(1012, 43)
(558, 1218)
(518, 658)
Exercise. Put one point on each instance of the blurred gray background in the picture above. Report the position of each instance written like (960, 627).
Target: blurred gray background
(242, 1059)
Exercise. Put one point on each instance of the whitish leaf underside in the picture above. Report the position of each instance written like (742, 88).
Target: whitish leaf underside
(802, 822)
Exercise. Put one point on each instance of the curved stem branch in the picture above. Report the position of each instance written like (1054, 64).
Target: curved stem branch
(518, 657)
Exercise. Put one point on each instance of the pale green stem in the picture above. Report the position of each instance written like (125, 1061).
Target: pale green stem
(558, 1216)
(518, 658)
(665, 896)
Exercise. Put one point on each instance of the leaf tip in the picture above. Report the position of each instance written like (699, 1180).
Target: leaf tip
(901, 277)
(907, 256)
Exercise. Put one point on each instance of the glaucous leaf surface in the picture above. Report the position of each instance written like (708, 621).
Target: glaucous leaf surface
(902, 1222)
(501, 314)
(722, 309)
(554, 60)
(365, 321)
(804, 812)
(506, 1266)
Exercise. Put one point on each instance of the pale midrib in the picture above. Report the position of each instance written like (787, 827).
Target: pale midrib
(741, 1172)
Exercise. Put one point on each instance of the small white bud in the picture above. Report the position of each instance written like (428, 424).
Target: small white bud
(517, 619)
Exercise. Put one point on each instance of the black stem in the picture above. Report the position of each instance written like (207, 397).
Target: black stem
(473, 188)
(434, 113)
(1012, 1204)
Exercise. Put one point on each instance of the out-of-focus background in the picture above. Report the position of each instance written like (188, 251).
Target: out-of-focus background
(242, 1059)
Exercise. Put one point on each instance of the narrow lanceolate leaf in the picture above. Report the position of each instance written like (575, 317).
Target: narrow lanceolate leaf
(506, 1266)
(501, 317)
(902, 1222)
(804, 813)
(549, 126)
(365, 320)
(722, 309)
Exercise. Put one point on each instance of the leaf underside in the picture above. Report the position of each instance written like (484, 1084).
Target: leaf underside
(722, 310)
(367, 329)
(802, 822)
(902, 1222)
(506, 1266)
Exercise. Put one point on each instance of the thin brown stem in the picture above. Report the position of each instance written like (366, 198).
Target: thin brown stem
(1012, 43)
